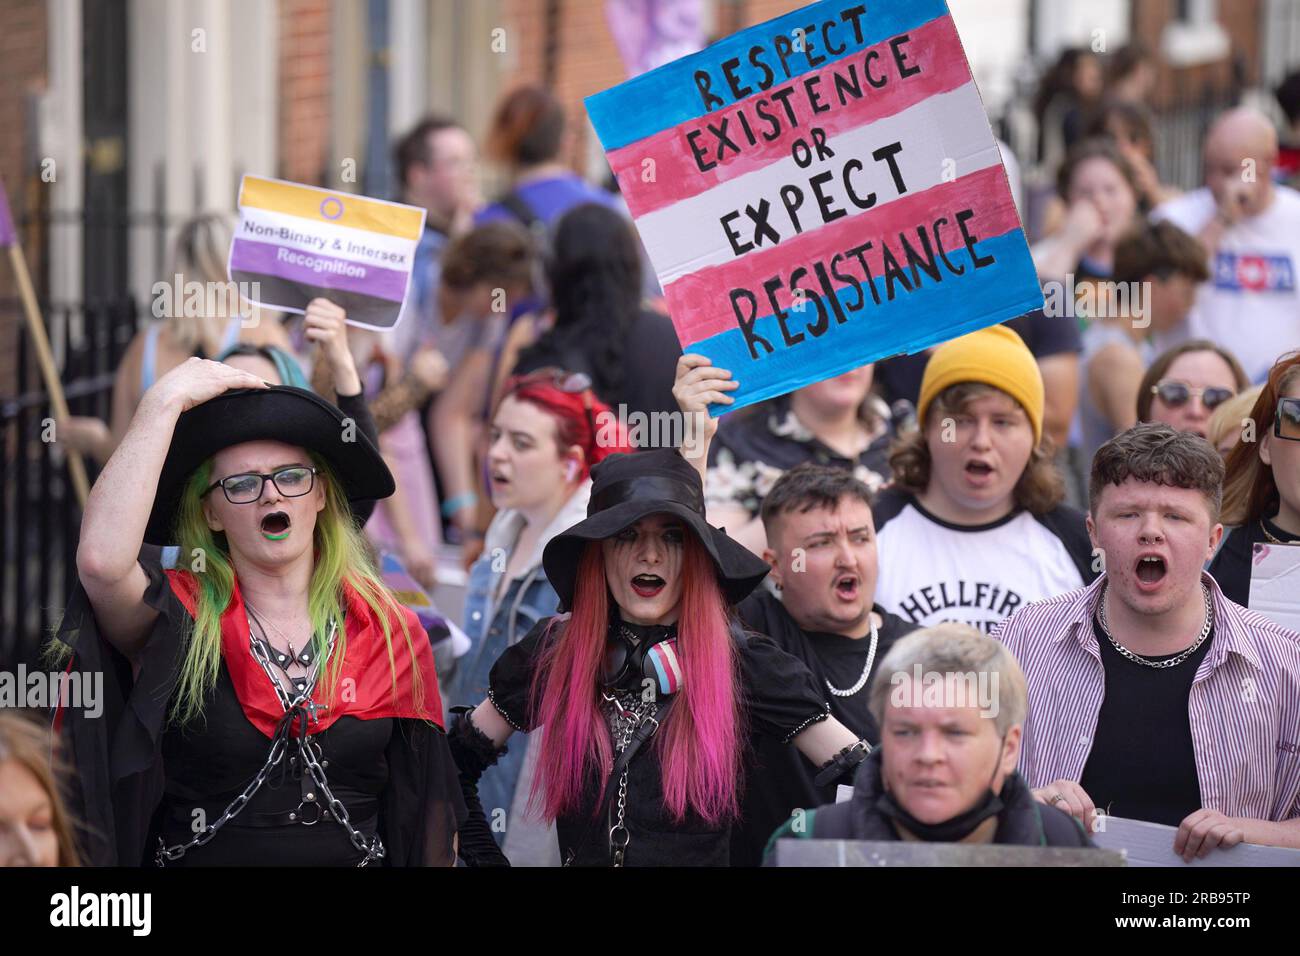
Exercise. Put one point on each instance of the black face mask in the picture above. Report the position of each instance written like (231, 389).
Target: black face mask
(948, 831)
(635, 653)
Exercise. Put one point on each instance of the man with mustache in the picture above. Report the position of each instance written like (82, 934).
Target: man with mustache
(821, 546)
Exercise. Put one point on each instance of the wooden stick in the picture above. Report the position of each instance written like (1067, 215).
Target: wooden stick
(76, 467)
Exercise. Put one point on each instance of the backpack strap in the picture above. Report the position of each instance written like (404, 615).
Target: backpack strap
(520, 208)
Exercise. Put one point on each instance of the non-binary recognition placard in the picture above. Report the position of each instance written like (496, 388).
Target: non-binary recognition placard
(820, 191)
(299, 242)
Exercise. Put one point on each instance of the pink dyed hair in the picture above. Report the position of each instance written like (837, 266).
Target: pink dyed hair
(700, 740)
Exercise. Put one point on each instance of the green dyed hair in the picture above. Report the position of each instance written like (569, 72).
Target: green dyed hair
(341, 557)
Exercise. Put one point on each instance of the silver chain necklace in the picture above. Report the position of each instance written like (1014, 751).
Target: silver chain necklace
(625, 722)
(866, 671)
(1169, 662)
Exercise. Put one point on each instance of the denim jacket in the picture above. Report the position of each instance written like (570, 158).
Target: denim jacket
(492, 627)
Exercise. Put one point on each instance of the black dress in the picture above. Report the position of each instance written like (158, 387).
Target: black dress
(207, 766)
(782, 780)
(138, 775)
(781, 700)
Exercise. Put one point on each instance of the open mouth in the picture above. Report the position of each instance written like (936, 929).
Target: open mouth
(979, 469)
(846, 586)
(647, 585)
(1150, 570)
(275, 526)
(499, 479)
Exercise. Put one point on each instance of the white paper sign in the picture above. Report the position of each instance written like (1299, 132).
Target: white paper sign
(1275, 583)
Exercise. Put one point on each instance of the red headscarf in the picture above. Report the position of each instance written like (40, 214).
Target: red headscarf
(365, 683)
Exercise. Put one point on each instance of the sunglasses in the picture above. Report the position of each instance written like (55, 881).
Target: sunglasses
(1286, 422)
(1176, 394)
(571, 383)
(292, 482)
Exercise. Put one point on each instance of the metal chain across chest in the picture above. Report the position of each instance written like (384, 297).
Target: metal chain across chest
(296, 710)
(866, 671)
(1168, 662)
(624, 716)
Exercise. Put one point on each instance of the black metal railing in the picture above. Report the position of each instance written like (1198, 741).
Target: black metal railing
(40, 516)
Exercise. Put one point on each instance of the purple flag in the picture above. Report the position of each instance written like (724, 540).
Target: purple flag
(6, 221)
(649, 33)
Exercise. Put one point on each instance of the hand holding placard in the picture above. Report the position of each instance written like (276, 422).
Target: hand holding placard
(818, 192)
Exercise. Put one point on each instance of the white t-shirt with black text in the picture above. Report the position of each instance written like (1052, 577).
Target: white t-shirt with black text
(1251, 303)
(932, 571)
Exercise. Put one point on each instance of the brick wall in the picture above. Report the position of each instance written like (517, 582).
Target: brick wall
(22, 74)
(305, 118)
(1239, 18)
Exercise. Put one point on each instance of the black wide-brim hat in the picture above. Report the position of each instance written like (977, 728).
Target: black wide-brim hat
(627, 487)
(281, 413)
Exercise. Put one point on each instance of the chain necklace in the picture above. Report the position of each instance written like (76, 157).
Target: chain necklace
(310, 752)
(862, 681)
(308, 749)
(624, 722)
(1263, 526)
(1169, 662)
(282, 660)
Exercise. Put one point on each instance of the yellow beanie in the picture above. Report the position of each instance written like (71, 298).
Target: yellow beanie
(996, 356)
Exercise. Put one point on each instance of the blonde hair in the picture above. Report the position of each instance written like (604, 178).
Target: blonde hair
(31, 747)
(199, 253)
(1230, 417)
(953, 648)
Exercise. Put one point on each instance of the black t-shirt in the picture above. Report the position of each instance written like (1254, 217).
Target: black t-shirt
(781, 700)
(650, 354)
(1142, 764)
(1232, 565)
(781, 780)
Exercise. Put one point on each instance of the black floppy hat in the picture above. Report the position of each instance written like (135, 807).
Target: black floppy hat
(626, 487)
(281, 413)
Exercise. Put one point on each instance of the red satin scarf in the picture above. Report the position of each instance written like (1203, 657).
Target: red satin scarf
(365, 683)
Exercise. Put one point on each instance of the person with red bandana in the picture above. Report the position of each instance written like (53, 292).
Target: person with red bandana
(268, 700)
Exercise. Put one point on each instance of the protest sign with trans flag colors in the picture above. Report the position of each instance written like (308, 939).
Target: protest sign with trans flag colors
(820, 191)
(295, 243)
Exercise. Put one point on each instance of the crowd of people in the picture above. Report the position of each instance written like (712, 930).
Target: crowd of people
(678, 654)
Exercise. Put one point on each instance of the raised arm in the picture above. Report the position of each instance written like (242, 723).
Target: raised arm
(117, 512)
(697, 385)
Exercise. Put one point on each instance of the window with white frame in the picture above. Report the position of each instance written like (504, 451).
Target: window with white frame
(1194, 35)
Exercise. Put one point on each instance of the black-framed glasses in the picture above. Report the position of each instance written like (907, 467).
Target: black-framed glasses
(571, 383)
(1286, 421)
(1175, 394)
(292, 482)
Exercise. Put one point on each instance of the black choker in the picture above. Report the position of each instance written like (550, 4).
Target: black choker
(949, 831)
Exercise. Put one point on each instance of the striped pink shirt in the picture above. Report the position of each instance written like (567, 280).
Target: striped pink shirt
(1244, 704)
